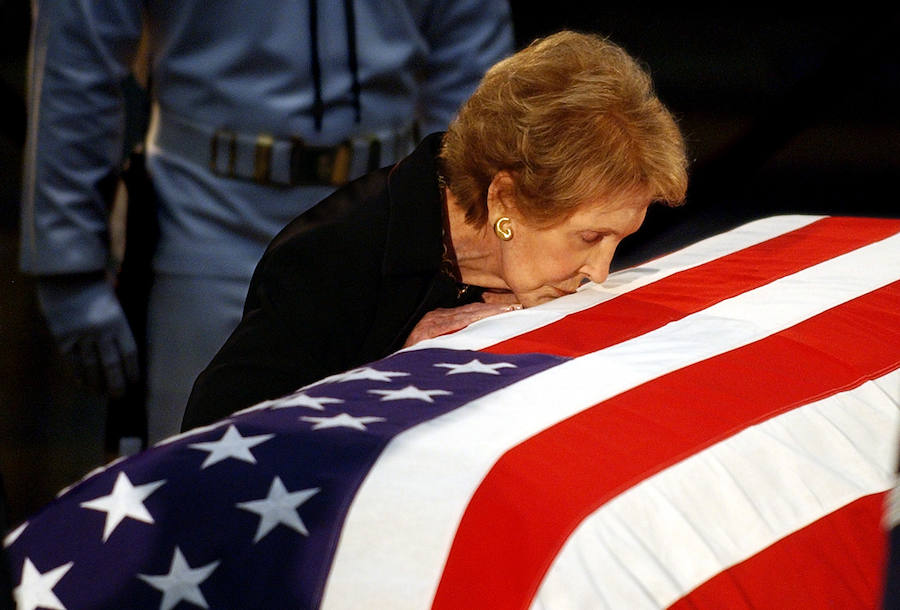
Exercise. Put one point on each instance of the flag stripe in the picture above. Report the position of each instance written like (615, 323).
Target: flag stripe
(842, 556)
(589, 458)
(694, 289)
(485, 333)
(350, 492)
(671, 532)
(437, 482)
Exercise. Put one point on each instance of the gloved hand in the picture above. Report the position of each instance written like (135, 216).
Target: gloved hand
(87, 321)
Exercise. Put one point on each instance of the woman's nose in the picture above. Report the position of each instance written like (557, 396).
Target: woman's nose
(597, 266)
(598, 276)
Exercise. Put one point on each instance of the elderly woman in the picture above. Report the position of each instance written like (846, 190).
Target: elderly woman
(549, 165)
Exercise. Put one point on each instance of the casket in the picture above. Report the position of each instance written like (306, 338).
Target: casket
(715, 428)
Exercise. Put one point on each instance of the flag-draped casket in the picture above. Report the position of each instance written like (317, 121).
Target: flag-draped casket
(716, 428)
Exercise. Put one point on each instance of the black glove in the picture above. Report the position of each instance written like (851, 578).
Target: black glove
(88, 323)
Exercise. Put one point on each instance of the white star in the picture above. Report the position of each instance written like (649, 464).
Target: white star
(365, 373)
(260, 406)
(125, 500)
(231, 445)
(410, 392)
(344, 420)
(300, 399)
(181, 583)
(280, 506)
(14, 535)
(297, 399)
(475, 366)
(35, 590)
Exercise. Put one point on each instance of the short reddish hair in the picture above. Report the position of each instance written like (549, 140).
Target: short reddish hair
(570, 116)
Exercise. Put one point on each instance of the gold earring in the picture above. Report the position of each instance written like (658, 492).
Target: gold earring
(503, 232)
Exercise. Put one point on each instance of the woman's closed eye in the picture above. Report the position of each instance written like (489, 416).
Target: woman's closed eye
(591, 237)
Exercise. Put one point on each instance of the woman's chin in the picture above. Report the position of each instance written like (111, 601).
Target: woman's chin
(500, 296)
(539, 298)
(527, 299)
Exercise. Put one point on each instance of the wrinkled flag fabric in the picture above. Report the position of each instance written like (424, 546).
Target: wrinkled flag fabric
(715, 428)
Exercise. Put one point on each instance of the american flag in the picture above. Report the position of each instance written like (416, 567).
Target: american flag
(716, 428)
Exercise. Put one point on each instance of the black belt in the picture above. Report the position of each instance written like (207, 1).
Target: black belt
(266, 159)
(308, 165)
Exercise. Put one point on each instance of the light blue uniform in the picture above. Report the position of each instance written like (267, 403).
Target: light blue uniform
(244, 74)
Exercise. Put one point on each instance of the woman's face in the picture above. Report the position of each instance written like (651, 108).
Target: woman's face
(542, 263)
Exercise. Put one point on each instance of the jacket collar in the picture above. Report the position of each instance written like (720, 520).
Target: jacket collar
(414, 238)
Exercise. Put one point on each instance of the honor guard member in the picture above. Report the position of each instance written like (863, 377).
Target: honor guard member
(259, 109)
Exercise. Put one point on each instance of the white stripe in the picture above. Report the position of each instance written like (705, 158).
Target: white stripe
(415, 495)
(505, 326)
(662, 538)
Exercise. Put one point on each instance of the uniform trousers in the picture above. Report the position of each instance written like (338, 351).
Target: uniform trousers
(188, 320)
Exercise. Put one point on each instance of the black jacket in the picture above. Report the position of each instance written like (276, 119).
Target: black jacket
(342, 285)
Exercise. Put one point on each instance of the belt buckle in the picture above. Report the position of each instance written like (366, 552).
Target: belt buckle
(262, 158)
(319, 165)
(230, 138)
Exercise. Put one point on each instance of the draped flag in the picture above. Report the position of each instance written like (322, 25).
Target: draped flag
(716, 428)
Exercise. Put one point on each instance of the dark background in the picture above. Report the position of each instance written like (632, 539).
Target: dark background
(783, 112)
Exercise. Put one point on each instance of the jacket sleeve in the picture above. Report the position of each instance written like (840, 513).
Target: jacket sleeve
(309, 307)
(80, 53)
(465, 38)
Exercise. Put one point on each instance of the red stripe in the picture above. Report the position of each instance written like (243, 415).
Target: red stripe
(836, 562)
(673, 297)
(538, 492)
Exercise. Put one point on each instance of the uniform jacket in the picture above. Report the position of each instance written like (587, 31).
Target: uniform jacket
(274, 68)
(342, 285)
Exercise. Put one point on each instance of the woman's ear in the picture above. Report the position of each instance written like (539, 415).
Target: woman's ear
(501, 195)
